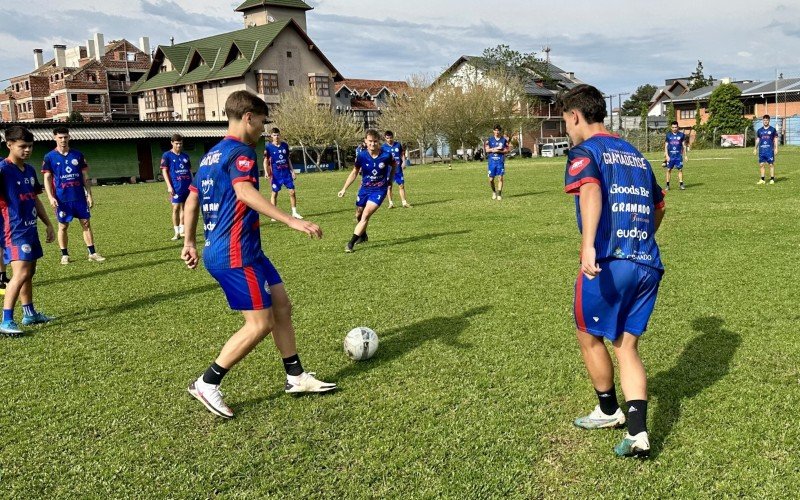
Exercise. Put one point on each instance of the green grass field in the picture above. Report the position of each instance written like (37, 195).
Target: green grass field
(478, 376)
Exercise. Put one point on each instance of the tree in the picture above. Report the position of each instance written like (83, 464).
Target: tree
(411, 116)
(509, 64)
(698, 80)
(302, 120)
(75, 117)
(640, 97)
(672, 115)
(726, 110)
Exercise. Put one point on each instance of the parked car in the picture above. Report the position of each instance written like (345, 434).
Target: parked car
(523, 152)
(553, 149)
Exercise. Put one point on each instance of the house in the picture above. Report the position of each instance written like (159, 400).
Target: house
(190, 81)
(364, 99)
(92, 80)
(671, 89)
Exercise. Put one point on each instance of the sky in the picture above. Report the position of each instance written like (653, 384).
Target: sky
(615, 45)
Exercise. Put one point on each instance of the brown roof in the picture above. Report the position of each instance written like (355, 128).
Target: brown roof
(358, 103)
(373, 87)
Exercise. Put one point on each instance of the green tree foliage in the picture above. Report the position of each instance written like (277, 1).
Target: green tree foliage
(698, 80)
(411, 116)
(512, 64)
(641, 97)
(672, 115)
(726, 110)
(75, 117)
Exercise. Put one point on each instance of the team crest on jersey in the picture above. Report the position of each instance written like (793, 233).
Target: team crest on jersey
(74, 162)
(185, 160)
(578, 164)
(244, 164)
(26, 248)
(266, 288)
(61, 214)
(381, 165)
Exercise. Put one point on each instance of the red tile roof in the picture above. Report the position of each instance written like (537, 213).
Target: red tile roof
(373, 87)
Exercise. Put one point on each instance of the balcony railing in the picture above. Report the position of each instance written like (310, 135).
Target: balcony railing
(127, 109)
(118, 85)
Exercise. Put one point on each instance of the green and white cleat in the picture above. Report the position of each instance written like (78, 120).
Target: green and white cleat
(599, 420)
(637, 446)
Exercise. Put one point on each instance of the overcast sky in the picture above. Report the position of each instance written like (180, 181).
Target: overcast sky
(616, 45)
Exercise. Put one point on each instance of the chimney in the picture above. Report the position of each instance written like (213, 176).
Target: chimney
(38, 58)
(144, 44)
(90, 49)
(60, 56)
(726, 80)
(99, 46)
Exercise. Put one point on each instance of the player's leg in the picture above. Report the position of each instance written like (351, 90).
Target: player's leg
(491, 185)
(772, 173)
(63, 241)
(680, 177)
(3, 276)
(88, 238)
(30, 316)
(402, 189)
(668, 176)
(176, 220)
(361, 226)
(389, 196)
(601, 372)
(761, 168)
(500, 186)
(293, 200)
(21, 273)
(181, 230)
(273, 198)
(633, 380)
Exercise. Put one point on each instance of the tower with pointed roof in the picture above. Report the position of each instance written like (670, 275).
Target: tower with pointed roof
(260, 12)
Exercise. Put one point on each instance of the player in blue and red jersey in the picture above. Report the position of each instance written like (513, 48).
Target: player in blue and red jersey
(377, 167)
(20, 205)
(766, 149)
(225, 188)
(619, 207)
(496, 148)
(399, 154)
(176, 167)
(279, 171)
(66, 182)
(674, 151)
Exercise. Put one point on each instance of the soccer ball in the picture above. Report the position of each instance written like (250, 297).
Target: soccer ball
(360, 343)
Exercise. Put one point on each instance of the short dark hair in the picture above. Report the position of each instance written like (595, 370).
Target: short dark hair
(765, 116)
(16, 133)
(241, 102)
(177, 138)
(586, 99)
(61, 131)
(371, 132)
(674, 123)
(274, 130)
(389, 133)
(498, 127)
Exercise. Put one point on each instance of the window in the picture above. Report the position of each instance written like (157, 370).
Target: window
(150, 100)
(288, 54)
(687, 114)
(319, 85)
(267, 83)
(749, 108)
(194, 94)
(291, 83)
(27, 85)
(163, 68)
(196, 114)
(95, 99)
(75, 97)
(131, 56)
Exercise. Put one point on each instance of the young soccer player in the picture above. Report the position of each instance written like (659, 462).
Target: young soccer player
(177, 170)
(20, 205)
(766, 149)
(377, 167)
(674, 152)
(619, 207)
(226, 189)
(279, 171)
(399, 154)
(496, 149)
(66, 182)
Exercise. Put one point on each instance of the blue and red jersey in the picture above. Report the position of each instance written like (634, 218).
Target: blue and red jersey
(766, 139)
(630, 196)
(675, 143)
(375, 171)
(179, 169)
(231, 228)
(18, 192)
(497, 158)
(396, 150)
(279, 159)
(67, 170)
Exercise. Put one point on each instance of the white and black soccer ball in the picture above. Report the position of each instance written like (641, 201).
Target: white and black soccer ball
(360, 343)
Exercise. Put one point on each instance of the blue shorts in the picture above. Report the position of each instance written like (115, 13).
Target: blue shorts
(68, 210)
(247, 288)
(764, 157)
(496, 169)
(29, 251)
(179, 197)
(285, 181)
(399, 178)
(375, 195)
(619, 299)
(675, 162)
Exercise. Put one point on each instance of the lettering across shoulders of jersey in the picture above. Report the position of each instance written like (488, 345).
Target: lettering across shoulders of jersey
(67, 170)
(675, 143)
(232, 234)
(630, 197)
(766, 137)
(278, 155)
(375, 171)
(19, 190)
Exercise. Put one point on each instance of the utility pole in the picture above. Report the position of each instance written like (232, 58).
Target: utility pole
(619, 112)
(610, 111)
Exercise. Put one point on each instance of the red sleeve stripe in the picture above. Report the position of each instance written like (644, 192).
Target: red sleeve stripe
(193, 189)
(244, 179)
(575, 186)
(662, 204)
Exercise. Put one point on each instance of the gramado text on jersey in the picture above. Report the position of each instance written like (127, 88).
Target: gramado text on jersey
(624, 158)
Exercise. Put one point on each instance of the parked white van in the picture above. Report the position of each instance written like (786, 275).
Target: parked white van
(554, 149)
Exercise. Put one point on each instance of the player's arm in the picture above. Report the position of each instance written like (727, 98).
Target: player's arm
(165, 173)
(267, 166)
(591, 203)
(391, 172)
(289, 162)
(486, 148)
(659, 213)
(48, 188)
(42, 214)
(191, 209)
(775, 143)
(666, 150)
(507, 148)
(350, 179)
(247, 193)
(87, 184)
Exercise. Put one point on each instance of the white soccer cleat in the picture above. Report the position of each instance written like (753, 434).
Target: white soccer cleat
(637, 446)
(599, 420)
(175, 238)
(65, 260)
(96, 257)
(308, 383)
(494, 196)
(391, 205)
(499, 198)
(211, 397)
(297, 216)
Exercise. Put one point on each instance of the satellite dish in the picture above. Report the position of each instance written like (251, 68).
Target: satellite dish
(270, 19)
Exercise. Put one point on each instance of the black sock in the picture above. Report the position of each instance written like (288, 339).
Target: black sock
(772, 177)
(214, 374)
(499, 192)
(64, 251)
(292, 365)
(91, 249)
(363, 237)
(3, 277)
(637, 416)
(608, 400)
(667, 184)
(762, 177)
(354, 239)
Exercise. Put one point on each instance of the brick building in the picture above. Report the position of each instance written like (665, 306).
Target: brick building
(92, 80)
(364, 99)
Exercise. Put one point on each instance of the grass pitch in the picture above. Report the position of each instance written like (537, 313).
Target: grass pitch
(478, 376)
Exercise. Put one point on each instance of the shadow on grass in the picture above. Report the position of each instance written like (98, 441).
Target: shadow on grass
(431, 202)
(696, 184)
(395, 343)
(148, 301)
(175, 246)
(412, 239)
(350, 208)
(704, 361)
(522, 195)
(104, 269)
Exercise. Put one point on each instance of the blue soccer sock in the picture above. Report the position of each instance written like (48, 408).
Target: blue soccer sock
(8, 315)
(28, 309)
(91, 249)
